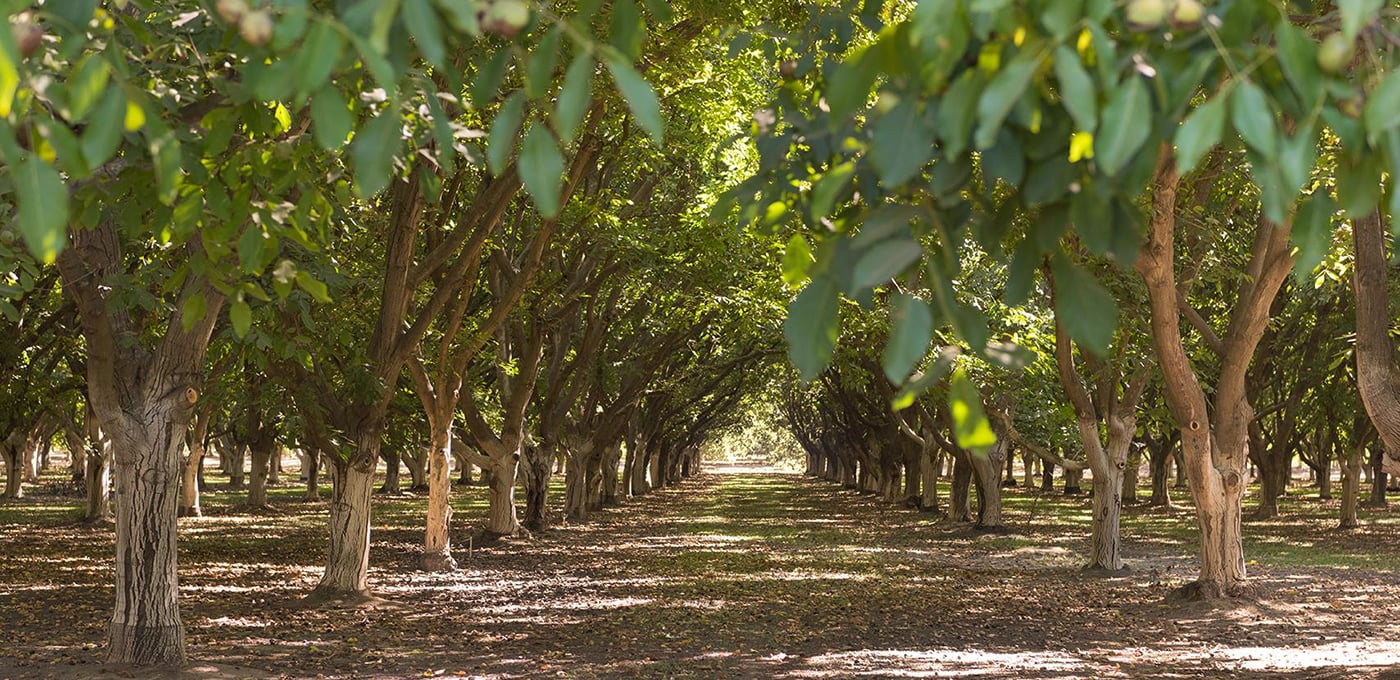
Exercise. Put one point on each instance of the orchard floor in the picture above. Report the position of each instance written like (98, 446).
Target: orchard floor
(739, 573)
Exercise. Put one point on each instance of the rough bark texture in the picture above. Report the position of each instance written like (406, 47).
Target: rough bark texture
(346, 578)
(437, 539)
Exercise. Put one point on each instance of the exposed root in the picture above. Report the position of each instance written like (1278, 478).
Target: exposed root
(1211, 592)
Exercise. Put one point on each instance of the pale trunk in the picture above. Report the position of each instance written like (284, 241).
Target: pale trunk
(261, 455)
(576, 483)
(960, 507)
(501, 518)
(1351, 488)
(347, 561)
(417, 463)
(146, 629)
(637, 472)
(189, 482)
(928, 482)
(98, 485)
(437, 540)
(1219, 498)
(312, 464)
(611, 458)
(1108, 508)
(14, 479)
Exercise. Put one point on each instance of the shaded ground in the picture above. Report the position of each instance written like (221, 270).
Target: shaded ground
(739, 573)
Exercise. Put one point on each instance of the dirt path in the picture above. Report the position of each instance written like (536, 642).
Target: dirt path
(741, 573)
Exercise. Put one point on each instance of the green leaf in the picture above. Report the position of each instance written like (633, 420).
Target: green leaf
(848, 86)
(797, 257)
(241, 317)
(539, 71)
(902, 144)
(501, 140)
(87, 85)
(314, 288)
(1382, 112)
(829, 188)
(1357, 13)
(884, 261)
(812, 326)
(1061, 17)
(574, 96)
(488, 79)
(1359, 184)
(421, 21)
(165, 154)
(317, 56)
(104, 131)
(9, 73)
(1087, 310)
(1297, 54)
(192, 310)
(640, 97)
(1253, 118)
(1076, 89)
(925, 380)
(1126, 125)
(971, 429)
(957, 112)
(1005, 89)
(43, 208)
(1297, 157)
(909, 337)
(628, 34)
(330, 114)
(542, 169)
(1199, 133)
(373, 151)
(250, 250)
(1312, 233)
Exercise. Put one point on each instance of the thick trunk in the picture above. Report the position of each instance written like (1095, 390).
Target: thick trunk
(261, 455)
(1073, 479)
(1047, 476)
(576, 463)
(1376, 377)
(501, 518)
(959, 505)
(14, 479)
(391, 474)
(637, 472)
(347, 561)
(1159, 464)
(1273, 475)
(311, 464)
(274, 466)
(146, 629)
(417, 463)
(612, 456)
(539, 466)
(237, 459)
(928, 483)
(1324, 473)
(1108, 509)
(437, 538)
(987, 471)
(77, 458)
(1219, 495)
(1130, 475)
(1379, 478)
(98, 485)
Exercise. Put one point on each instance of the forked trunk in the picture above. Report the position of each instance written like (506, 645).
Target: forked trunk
(1104, 543)
(146, 629)
(437, 539)
(347, 562)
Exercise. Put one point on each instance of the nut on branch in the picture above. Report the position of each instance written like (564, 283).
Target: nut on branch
(256, 27)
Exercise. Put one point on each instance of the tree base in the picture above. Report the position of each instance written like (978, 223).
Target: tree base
(1210, 591)
(1100, 570)
(438, 562)
(146, 646)
(325, 598)
(189, 512)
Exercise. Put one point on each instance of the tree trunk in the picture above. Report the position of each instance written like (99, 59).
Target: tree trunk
(539, 466)
(637, 472)
(1047, 476)
(959, 498)
(98, 485)
(1073, 478)
(1324, 470)
(312, 467)
(237, 454)
(189, 482)
(928, 482)
(1378, 477)
(1376, 377)
(14, 478)
(391, 485)
(1130, 474)
(346, 578)
(417, 463)
(1351, 487)
(274, 466)
(146, 629)
(612, 456)
(501, 518)
(1104, 540)
(1159, 464)
(261, 454)
(437, 539)
(576, 461)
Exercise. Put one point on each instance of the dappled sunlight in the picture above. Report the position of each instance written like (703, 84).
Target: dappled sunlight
(937, 663)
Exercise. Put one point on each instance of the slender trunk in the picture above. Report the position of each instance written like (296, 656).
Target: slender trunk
(261, 454)
(274, 466)
(1130, 475)
(637, 472)
(576, 483)
(1104, 540)
(437, 539)
(1324, 470)
(14, 479)
(1047, 476)
(347, 562)
(189, 482)
(1351, 488)
(237, 455)
(77, 459)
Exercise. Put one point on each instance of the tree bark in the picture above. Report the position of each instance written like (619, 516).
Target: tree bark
(312, 467)
(539, 466)
(437, 538)
(391, 484)
(1351, 486)
(1376, 376)
(959, 500)
(501, 517)
(346, 578)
